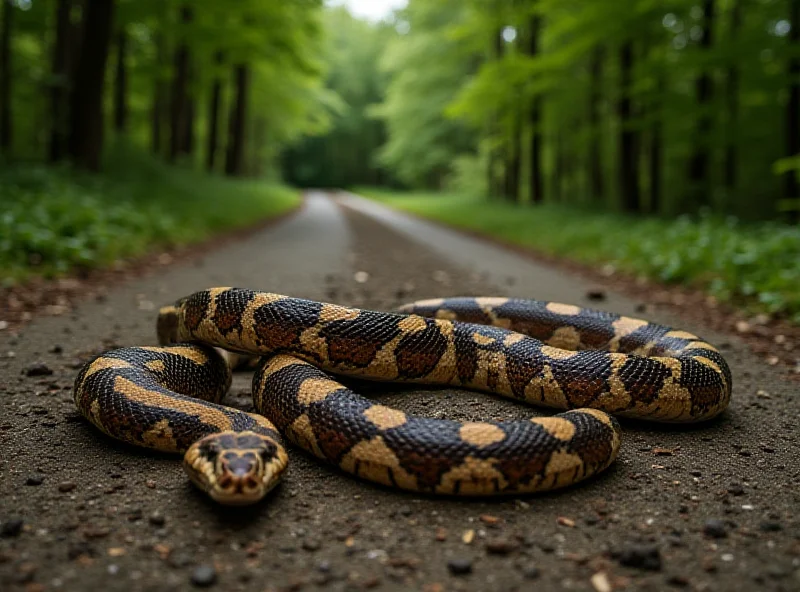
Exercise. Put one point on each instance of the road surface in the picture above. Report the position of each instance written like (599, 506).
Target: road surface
(710, 507)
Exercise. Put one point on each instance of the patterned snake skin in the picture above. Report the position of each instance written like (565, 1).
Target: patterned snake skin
(548, 354)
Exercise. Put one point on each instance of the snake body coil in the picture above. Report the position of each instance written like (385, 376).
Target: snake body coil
(543, 353)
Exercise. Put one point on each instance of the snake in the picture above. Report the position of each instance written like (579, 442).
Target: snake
(590, 364)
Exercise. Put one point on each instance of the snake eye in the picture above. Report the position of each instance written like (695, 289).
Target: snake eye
(210, 449)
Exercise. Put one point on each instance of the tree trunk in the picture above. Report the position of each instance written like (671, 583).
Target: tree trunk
(213, 115)
(628, 161)
(732, 92)
(514, 160)
(5, 77)
(535, 114)
(188, 137)
(177, 120)
(791, 191)
(59, 90)
(234, 162)
(86, 98)
(656, 148)
(559, 170)
(121, 84)
(699, 162)
(496, 186)
(159, 99)
(596, 184)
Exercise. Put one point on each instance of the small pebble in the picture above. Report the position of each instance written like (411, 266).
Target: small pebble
(66, 486)
(531, 572)
(715, 529)
(34, 480)
(596, 295)
(736, 489)
(640, 556)
(678, 581)
(405, 511)
(157, 519)
(56, 349)
(459, 566)
(500, 546)
(204, 576)
(38, 369)
(12, 527)
(770, 527)
(311, 544)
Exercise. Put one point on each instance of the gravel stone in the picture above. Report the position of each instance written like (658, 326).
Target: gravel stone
(204, 576)
(38, 369)
(12, 527)
(715, 529)
(34, 480)
(640, 556)
(460, 566)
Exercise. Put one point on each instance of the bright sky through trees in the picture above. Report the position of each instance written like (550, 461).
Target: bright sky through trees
(373, 10)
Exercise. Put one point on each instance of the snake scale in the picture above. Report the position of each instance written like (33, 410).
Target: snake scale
(592, 363)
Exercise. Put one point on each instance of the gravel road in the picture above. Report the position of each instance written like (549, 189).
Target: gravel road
(709, 507)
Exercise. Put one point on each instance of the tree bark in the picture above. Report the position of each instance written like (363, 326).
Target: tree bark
(213, 115)
(234, 162)
(535, 121)
(179, 94)
(514, 160)
(699, 162)
(656, 148)
(732, 92)
(628, 160)
(86, 98)
(121, 84)
(596, 184)
(5, 77)
(59, 90)
(188, 129)
(159, 100)
(496, 184)
(791, 191)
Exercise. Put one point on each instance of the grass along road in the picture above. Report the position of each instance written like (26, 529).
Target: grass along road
(756, 266)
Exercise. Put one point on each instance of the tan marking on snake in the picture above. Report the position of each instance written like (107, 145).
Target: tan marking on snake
(103, 363)
(558, 353)
(710, 363)
(145, 396)
(681, 334)
(155, 365)
(482, 339)
(313, 390)
(190, 353)
(481, 434)
(623, 327)
(412, 324)
(701, 345)
(490, 301)
(160, 437)
(562, 461)
(374, 460)
(569, 310)
(333, 312)
(474, 476)
(513, 338)
(557, 427)
(385, 418)
(565, 338)
(301, 433)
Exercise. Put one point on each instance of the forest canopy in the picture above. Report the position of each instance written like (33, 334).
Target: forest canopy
(668, 107)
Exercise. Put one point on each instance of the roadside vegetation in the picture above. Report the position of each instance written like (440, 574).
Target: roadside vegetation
(53, 220)
(756, 265)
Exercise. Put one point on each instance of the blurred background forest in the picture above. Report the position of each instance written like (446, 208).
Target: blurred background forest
(661, 138)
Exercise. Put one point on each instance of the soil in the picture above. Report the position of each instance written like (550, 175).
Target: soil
(706, 507)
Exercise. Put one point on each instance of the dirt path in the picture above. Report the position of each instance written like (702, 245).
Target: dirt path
(712, 507)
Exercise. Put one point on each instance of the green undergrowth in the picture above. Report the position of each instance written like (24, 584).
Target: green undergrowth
(54, 220)
(752, 265)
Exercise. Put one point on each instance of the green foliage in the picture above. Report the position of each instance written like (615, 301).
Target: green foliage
(53, 220)
(757, 265)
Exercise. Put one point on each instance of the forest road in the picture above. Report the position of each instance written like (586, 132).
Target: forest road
(707, 507)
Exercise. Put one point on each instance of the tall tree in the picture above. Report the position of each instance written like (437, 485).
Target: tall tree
(158, 103)
(213, 112)
(59, 90)
(628, 139)
(121, 83)
(791, 191)
(86, 97)
(180, 82)
(596, 183)
(700, 160)
(732, 96)
(234, 161)
(5, 76)
(535, 115)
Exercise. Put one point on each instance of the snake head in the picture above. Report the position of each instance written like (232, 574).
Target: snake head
(235, 468)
